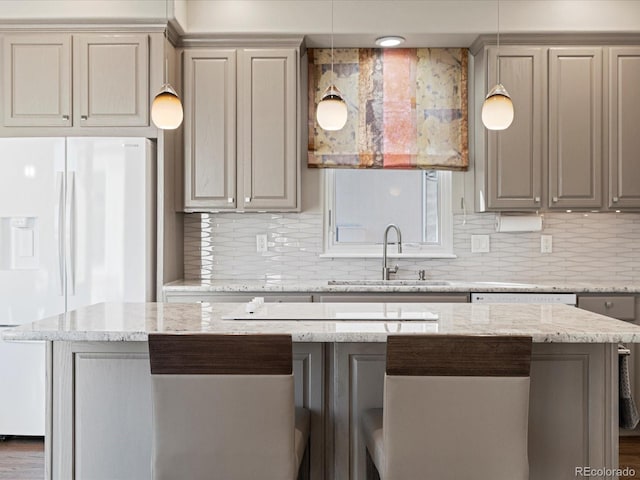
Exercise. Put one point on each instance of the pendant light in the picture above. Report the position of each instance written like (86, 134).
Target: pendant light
(332, 110)
(497, 109)
(166, 109)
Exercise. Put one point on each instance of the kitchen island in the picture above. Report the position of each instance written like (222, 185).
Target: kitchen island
(99, 400)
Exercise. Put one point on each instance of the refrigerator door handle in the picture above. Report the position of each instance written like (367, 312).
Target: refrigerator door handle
(71, 231)
(60, 227)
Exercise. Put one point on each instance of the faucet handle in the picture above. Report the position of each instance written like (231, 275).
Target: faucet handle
(422, 274)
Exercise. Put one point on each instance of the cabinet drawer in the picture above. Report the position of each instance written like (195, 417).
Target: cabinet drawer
(393, 298)
(234, 298)
(622, 308)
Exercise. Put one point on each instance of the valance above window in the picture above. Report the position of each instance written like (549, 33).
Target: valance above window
(407, 108)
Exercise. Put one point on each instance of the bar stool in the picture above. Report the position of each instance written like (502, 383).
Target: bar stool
(223, 408)
(454, 407)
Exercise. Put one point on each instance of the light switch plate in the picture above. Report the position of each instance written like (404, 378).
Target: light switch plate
(261, 243)
(480, 244)
(546, 244)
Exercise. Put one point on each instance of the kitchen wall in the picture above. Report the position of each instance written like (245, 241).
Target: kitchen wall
(586, 247)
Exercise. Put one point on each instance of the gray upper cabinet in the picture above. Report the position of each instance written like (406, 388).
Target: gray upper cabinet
(241, 131)
(575, 127)
(37, 80)
(210, 128)
(624, 118)
(514, 156)
(573, 143)
(268, 149)
(105, 77)
(111, 78)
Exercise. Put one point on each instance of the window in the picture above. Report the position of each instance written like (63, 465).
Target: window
(361, 203)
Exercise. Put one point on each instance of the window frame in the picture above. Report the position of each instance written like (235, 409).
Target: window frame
(409, 250)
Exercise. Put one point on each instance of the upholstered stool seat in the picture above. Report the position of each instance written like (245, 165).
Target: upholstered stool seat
(223, 408)
(454, 407)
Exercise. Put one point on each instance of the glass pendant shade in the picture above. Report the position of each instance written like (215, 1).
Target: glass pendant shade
(497, 109)
(332, 110)
(166, 109)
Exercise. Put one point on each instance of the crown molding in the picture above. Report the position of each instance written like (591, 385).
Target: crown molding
(81, 25)
(573, 38)
(174, 32)
(241, 40)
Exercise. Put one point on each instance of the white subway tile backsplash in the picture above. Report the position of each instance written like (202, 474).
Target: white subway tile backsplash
(594, 247)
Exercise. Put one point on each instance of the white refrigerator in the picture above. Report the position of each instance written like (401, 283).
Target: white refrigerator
(77, 227)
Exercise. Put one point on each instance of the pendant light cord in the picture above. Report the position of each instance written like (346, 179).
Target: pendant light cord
(498, 51)
(332, 73)
(166, 36)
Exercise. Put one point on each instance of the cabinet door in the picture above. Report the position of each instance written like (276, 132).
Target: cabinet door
(622, 307)
(37, 80)
(514, 155)
(268, 151)
(575, 127)
(111, 80)
(624, 118)
(210, 129)
(393, 298)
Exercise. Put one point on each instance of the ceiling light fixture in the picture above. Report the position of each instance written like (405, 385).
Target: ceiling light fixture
(332, 110)
(166, 109)
(497, 109)
(390, 41)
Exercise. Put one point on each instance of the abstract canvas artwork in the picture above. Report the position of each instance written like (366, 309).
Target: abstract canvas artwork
(407, 108)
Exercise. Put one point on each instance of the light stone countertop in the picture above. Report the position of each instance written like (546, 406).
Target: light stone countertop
(404, 286)
(133, 322)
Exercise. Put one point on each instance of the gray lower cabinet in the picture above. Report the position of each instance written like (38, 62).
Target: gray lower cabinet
(242, 138)
(102, 424)
(572, 388)
(392, 297)
(178, 297)
(622, 307)
(101, 408)
(181, 297)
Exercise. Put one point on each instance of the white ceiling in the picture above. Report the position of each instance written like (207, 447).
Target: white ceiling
(356, 22)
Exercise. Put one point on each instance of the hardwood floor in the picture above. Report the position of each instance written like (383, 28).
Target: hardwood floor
(630, 455)
(22, 458)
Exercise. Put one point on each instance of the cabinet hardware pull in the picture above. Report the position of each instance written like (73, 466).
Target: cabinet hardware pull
(230, 200)
(615, 199)
(84, 117)
(65, 117)
(608, 304)
(555, 199)
(537, 199)
(247, 199)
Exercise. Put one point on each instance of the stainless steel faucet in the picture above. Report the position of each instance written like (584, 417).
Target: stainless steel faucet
(385, 269)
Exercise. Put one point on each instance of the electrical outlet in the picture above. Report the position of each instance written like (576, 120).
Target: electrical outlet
(480, 244)
(261, 243)
(546, 244)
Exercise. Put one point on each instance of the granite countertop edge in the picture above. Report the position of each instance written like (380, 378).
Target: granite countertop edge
(117, 322)
(322, 286)
(312, 337)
